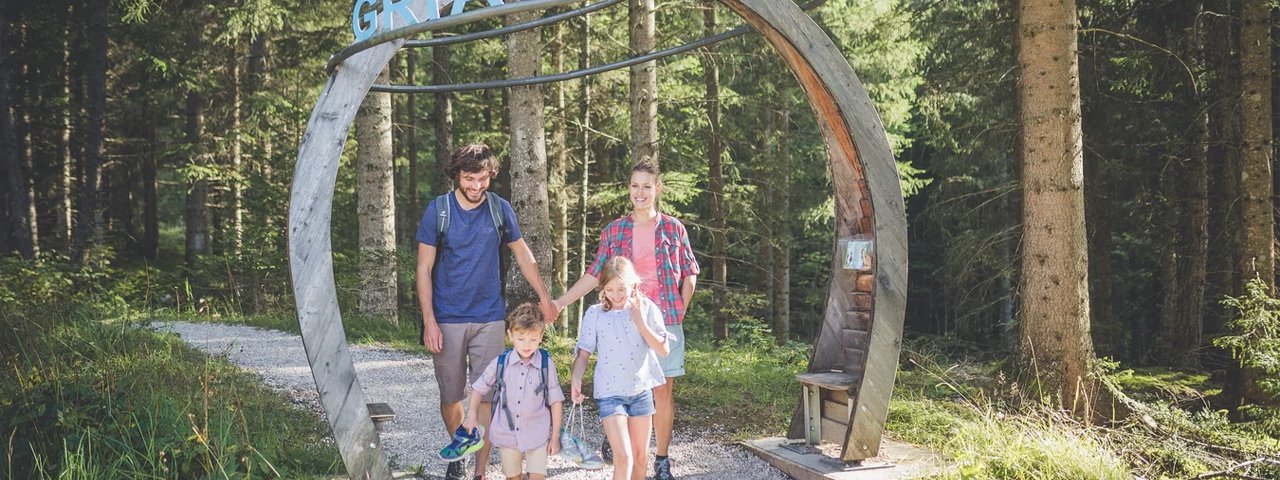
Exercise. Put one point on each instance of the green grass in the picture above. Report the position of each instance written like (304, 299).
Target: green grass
(969, 412)
(91, 396)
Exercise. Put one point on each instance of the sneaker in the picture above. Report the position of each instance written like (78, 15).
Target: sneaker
(569, 447)
(606, 453)
(574, 450)
(662, 469)
(456, 471)
(590, 461)
(464, 443)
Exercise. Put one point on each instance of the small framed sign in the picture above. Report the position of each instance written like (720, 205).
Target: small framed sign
(858, 252)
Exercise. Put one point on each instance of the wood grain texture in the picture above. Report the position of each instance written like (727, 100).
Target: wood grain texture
(311, 258)
(862, 164)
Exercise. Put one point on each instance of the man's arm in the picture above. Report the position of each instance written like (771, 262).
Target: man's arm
(430, 330)
(529, 268)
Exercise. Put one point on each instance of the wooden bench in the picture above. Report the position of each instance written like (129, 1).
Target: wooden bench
(379, 413)
(827, 408)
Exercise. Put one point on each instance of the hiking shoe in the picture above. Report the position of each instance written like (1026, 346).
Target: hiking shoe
(464, 443)
(606, 453)
(456, 471)
(662, 469)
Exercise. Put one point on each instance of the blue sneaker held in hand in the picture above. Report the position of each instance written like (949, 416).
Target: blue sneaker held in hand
(577, 451)
(464, 443)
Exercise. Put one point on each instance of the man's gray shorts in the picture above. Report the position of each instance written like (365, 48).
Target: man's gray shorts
(465, 344)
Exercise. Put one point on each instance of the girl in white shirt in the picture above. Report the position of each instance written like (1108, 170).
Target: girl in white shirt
(626, 331)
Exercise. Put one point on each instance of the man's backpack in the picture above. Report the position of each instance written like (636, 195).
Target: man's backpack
(495, 212)
(499, 386)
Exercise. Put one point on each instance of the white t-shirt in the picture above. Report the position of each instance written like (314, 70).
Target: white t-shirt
(626, 365)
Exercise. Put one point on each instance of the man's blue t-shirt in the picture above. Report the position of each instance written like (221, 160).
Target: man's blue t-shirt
(466, 282)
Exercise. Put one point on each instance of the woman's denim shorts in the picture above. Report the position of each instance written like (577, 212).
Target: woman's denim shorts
(638, 405)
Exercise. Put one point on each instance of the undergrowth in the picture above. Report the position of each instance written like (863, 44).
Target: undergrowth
(91, 395)
(965, 409)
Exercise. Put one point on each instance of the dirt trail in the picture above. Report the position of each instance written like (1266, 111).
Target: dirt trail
(406, 382)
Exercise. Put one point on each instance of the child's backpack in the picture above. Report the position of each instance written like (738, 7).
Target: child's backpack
(442, 218)
(499, 386)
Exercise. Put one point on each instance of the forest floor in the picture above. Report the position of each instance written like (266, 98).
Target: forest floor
(406, 382)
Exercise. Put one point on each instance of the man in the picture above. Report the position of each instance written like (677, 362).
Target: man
(460, 284)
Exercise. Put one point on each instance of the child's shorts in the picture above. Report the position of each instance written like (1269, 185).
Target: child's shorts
(638, 405)
(535, 461)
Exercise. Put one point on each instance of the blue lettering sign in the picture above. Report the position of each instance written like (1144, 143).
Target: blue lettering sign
(365, 24)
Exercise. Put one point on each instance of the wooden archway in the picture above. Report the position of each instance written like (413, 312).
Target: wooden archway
(863, 326)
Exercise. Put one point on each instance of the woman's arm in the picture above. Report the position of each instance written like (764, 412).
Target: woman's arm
(579, 289)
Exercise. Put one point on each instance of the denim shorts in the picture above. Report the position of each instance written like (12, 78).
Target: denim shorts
(638, 405)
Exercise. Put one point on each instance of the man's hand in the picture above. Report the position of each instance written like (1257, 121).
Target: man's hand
(549, 310)
(431, 336)
(553, 447)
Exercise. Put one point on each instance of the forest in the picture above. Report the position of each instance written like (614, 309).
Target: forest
(147, 149)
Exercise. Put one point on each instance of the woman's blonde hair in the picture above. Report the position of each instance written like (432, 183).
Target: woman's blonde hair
(621, 269)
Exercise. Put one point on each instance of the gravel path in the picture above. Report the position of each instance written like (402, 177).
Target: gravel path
(406, 382)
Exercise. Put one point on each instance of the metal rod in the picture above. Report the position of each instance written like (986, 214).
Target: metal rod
(439, 24)
(559, 77)
(510, 28)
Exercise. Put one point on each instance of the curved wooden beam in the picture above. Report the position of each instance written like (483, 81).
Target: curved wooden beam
(862, 332)
(311, 256)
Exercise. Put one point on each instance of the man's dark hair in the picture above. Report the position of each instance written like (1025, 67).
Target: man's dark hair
(473, 158)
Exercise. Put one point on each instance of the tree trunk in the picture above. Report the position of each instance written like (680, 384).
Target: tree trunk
(1224, 172)
(1257, 258)
(411, 153)
(235, 203)
(65, 177)
(93, 129)
(644, 83)
(27, 98)
(1182, 315)
(584, 119)
(1055, 346)
(442, 117)
(376, 205)
(16, 194)
(715, 178)
(259, 75)
(556, 181)
(528, 156)
(196, 212)
(150, 213)
(782, 261)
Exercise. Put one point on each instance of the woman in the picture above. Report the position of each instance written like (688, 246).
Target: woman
(659, 247)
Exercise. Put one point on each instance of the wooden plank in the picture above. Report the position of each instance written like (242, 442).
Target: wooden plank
(836, 411)
(381, 412)
(858, 148)
(833, 431)
(827, 380)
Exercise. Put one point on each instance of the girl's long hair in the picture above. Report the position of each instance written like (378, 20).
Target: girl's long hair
(621, 269)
